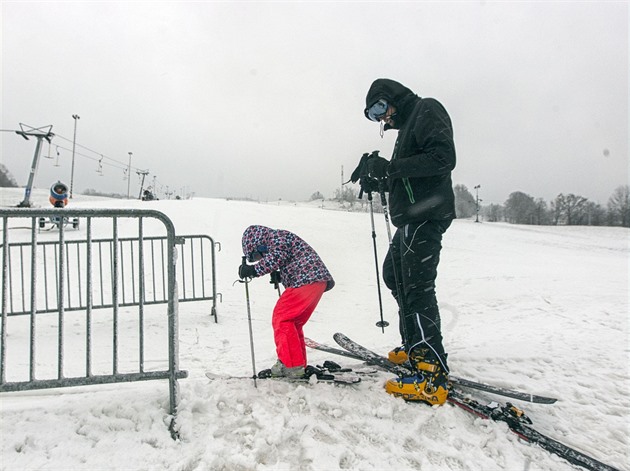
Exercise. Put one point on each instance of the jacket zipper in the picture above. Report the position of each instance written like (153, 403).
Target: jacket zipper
(407, 185)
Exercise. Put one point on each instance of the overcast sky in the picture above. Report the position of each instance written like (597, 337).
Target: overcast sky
(266, 100)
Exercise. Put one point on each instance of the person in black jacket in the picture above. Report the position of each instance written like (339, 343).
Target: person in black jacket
(422, 206)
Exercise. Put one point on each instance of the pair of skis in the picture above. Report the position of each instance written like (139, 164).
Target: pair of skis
(357, 352)
(514, 417)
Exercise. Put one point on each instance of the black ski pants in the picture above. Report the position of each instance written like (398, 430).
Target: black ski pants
(412, 261)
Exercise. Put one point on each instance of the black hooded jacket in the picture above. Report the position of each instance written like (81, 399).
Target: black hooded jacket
(419, 173)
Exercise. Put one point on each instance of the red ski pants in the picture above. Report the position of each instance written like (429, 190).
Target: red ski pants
(292, 311)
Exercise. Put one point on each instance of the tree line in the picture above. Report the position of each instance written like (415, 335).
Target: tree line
(569, 209)
(521, 208)
(6, 179)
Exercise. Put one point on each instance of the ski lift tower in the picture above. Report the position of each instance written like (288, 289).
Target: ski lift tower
(40, 133)
(477, 202)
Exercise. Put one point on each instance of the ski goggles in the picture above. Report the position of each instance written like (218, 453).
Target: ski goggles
(257, 254)
(377, 110)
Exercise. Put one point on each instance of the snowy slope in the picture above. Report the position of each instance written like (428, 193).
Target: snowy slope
(543, 309)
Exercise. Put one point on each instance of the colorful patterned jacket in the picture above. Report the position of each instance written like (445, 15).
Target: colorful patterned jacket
(287, 253)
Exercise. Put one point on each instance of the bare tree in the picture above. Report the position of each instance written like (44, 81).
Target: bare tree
(317, 196)
(557, 208)
(596, 215)
(346, 194)
(541, 214)
(520, 208)
(570, 209)
(619, 206)
(493, 213)
(465, 205)
(575, 209)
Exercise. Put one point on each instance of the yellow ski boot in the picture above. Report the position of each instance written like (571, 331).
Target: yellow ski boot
(429, 384)
(398, 355)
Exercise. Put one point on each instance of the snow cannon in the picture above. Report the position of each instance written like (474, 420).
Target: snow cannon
(59, 199)
(59, 195)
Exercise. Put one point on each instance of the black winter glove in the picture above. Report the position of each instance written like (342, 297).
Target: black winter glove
(377, 167)
(369, 185)
(361, 169)
(246, 271)
(275, 278)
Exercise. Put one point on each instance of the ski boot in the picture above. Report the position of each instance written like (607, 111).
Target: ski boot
(278, 370)
(428, 384)
(398, 355)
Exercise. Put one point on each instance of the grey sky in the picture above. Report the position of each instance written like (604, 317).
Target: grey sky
(266, 99)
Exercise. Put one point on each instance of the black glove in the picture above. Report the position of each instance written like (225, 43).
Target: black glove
(275, 278)
(361, 169)
(377, 167)
(246, 271)
(369, 185)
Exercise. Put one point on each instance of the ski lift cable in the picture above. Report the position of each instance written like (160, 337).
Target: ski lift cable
(96, 159)
(114, 163)
(95, 152)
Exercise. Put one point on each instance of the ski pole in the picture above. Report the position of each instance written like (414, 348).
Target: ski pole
(382, 323)
(249, 321)
(401, 301)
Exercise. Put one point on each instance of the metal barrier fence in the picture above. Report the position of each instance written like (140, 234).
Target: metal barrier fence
(195, 264)
(91, 285)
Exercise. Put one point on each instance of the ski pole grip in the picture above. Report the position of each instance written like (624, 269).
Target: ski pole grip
(243, 262)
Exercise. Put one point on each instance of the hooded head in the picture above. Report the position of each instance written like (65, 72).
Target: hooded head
(256, 239)
(395, 94)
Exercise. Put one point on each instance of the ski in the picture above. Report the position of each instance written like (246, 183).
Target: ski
(514, 417)
(323, 376)
(341, 379)
(500, 391)
(385, 364)
(519, 424)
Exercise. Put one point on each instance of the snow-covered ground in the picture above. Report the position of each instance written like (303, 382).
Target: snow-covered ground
(544, 309)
